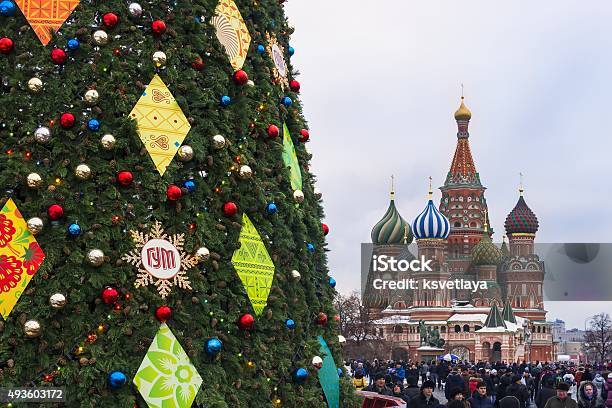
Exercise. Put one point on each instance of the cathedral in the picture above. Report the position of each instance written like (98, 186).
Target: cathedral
(504, 322)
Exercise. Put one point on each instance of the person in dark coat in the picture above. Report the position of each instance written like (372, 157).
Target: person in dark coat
(453, 381)
(379, 386)
(587, 396)
(509, 401)
(426, 398)
(562, 399)
(480, 399)
(412, 390)
(398, 391)
(545, 393)
(518, 390)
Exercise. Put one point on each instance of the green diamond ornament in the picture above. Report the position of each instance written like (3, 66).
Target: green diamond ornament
(290, 160)
(254, 265)
(166, 378)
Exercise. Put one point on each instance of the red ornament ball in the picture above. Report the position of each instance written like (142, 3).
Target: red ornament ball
(304, 136)
(174, 192)
(110, 20)
(273, 131)
(336, 318)
(55, 212)
(240, 77)
(125, 178)
(58, 56)
(321, 319)
(109, 295)
(158, 27)
(67, 120)
(6, 45)
(197, 64)
(325, 228)
(294, 85)
(230, 209)
(163, 313)
(246, 321)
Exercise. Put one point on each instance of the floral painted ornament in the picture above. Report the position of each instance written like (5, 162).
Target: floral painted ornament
(161, 260)
(166, 377)
(277, 54)
(20, 257)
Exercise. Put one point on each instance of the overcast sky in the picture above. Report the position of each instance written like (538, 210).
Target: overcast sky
(381, 81)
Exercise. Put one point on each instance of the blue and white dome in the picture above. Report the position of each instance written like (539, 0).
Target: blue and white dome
(431, 223)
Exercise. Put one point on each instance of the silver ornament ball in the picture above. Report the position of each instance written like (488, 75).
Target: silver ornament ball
(317, 193)
(341, 339)
(42, 134)
(218, 142)
(100, 37)
(135, 10)
(57, 301)
(202, 254)
(35, 85)
(92, 96)
(245, 172)
(185, 153)
(35, 225)
(108, 141)
(34, 180)
(32, 329)
(95, 257)
(298, 196)
(317, 362)
(159, 58)
(295, 275)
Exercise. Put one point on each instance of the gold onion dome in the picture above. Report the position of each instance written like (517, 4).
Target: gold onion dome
(463, 113)
(485, 252)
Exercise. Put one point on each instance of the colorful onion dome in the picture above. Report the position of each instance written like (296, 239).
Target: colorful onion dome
(485, 252)
(521, 219)
(463, 113)
(375, 300)
(431, 223)
(392, 229)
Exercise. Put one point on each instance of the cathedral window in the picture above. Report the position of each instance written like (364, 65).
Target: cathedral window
(466, 328)
(476, 328)
(443, 329)
(457, 225)
(398, 329)
(461, 198)
(457, 328)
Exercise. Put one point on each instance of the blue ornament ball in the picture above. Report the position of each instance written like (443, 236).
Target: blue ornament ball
(340, 372)
(226, 100)
(261, 49)
(213, 346)
(291, 51)
(332, 282)
(190, 185)
(74, 230)
(271, 208)
(93, 125)
(287, 101)
(301, 374)
(73, 44)
(310, 247)
(290, 324)
(116, 380)
(7, 8)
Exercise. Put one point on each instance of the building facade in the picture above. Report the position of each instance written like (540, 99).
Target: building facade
(504, 322)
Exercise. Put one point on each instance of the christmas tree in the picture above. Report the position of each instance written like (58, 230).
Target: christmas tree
(161, 240)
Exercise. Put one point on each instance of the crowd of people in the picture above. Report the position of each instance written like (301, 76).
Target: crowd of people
(486, 385)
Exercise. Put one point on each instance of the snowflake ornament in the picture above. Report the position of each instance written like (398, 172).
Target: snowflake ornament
(161, 260)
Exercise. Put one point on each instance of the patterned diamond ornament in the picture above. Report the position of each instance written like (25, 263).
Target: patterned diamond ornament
(254, 265)
(162, 126)
(46, 16)
(328, 376)
(20, 257)
(232, 32)
(290, 159)
(166, 378)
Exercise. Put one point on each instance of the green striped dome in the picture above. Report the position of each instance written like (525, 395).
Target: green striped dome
(485, 252)
(392, 228)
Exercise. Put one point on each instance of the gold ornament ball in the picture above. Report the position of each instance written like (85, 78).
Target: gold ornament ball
(34, 180)
(92, 96)
(83, 171)
(100, 37)
(218, 142)
(202, 254)
(185, 153)
(298, 196)
(95, 257)
(42, 134)
(35, 85)
(317, 193)
(159, 58)
(35, 225)
(57, 301)
(108, 141)
(295, 275)
(245, 172)
(32, 329)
